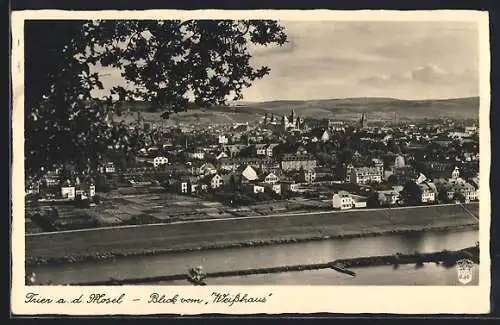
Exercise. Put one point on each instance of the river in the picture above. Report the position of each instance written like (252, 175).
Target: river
(279, 255)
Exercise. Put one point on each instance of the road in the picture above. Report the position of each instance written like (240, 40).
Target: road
(198, 233)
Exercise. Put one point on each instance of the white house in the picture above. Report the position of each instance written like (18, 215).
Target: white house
(249, 173)
(359, 204)
(159, 161)
(271, 178)
(216, 181)
(221, 155)
(342, 200)
(196, 155)
(308, 175)
(184, 185)
(325, 136)
(68, 191)
(223, 139)
(427, 192)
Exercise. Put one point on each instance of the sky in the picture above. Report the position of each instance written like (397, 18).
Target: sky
(342, 59)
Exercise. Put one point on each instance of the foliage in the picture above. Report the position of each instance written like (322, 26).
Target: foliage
(166, 63)
(411, 193)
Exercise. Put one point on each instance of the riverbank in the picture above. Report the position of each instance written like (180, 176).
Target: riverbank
(63, 248)
(445, 258)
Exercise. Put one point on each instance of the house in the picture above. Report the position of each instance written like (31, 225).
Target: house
(471, 129)
(270, 178)
(108, 168)
(184, 187)
(325, 137)
(428, 192)
(248, 173)
(160, 161)
(214, 181)
(261, 149)
(200, 155)
(85, 190)
(379, 164)
(221, 155)
(270, 149)
(467, 190)
(308, 175)
(76, 190)
(223, 139)
(68, 191)
(188, 185)
(342, 200)
(455, 174)
(348, 172)
(365, 175)
(297, 162)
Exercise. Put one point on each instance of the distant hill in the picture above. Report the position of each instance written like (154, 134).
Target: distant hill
(375, 108)
(346, 109)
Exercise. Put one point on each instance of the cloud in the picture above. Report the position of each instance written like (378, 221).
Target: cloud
(428, 75)
(328, 59)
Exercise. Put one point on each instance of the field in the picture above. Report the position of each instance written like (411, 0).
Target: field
(146, 205)
(196, 235)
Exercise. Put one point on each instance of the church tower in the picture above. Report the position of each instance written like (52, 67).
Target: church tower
(362, 122)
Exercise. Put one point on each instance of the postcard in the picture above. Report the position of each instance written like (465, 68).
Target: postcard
(242, 162)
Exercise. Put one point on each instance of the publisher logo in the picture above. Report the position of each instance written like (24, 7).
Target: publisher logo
(464, 271)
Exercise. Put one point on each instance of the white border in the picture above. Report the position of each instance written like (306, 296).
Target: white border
(285, 299)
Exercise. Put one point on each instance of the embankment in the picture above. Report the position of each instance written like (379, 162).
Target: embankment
(99, 244)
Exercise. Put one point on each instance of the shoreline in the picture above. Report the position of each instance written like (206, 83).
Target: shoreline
(111, 255)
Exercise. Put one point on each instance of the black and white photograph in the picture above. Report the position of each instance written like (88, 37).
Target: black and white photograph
(241, 151)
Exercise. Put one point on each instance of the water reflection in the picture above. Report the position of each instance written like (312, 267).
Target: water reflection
(265, 256)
